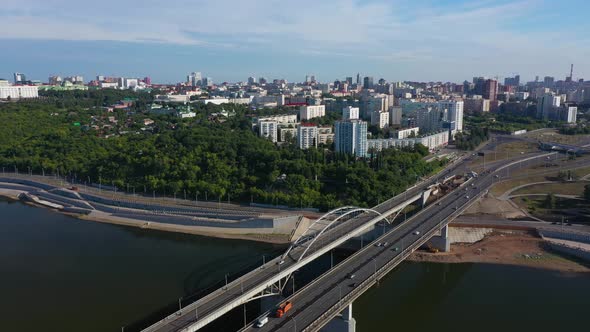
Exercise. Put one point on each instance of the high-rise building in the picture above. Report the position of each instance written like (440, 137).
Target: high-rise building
(490, 90)
(311, 111)
(207, 82)
(395, 115)
(268, 129)
(350, 137)
(548, 81)
(380, 119)
(368, 82)
(429, 119)
(349, 80)
(546, 105)
(194, 79)
(358, 78)
(454, 114)
(147, 80)
(350, 113)
(512, 81)
(479, 85)
(251, 80)
(55, 80)
(307, 136)
(20, 78)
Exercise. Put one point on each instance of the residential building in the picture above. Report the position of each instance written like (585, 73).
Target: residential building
(546, 105)
(380, 119)
(368, 82)
(307, 135)
(194, 79)
(395, 115)
(18, 91)
(325, 135)
(350, 137)
(405, 133)
(454, 114)
(490, 90)
(350, 113)
(20, 78)
(283, 119)
(429, 119)
(432, 142)
(268, 129)
(287, 133)
(309, 112)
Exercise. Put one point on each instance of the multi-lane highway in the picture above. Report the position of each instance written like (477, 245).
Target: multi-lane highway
(240, 291)
(325, 297)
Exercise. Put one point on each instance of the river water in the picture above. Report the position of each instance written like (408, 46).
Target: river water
(58, 273)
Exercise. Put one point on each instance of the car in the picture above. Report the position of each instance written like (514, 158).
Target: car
(281, 262)
(467, 197)
(417, 233)
(438, 203)
(261, 321)
(496, 176)
(395, 249)
(385, 243)
(378, 244)
(351, 276)
(354, 284)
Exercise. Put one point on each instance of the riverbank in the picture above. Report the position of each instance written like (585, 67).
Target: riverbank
(517, 248)
(279, 233)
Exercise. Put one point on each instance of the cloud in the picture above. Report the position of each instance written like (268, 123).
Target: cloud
(389, 31)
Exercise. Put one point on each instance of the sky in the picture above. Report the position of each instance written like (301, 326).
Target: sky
(230, 40)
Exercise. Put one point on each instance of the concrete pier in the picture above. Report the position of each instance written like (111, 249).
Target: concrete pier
(342, 323)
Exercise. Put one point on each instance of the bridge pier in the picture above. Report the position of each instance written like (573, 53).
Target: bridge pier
(425, 196)
(342, 323)
(442, 242)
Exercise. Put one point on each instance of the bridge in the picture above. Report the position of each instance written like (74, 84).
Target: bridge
(314, 306)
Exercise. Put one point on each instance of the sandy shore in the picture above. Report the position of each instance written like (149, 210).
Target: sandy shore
(510, 249)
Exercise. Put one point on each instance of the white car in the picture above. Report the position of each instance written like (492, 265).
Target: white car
(261, 322)
(417, 233)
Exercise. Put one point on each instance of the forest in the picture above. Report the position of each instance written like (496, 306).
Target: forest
(196, 157)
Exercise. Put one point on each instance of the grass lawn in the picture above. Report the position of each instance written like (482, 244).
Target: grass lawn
(506, 151)
(552, 135)
(565, 188)
(571, 210)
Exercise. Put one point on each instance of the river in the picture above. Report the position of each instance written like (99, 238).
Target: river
(58, 273)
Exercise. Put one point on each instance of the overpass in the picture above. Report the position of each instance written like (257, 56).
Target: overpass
(326, 233)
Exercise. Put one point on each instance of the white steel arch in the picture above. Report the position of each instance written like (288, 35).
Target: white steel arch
(311, 238)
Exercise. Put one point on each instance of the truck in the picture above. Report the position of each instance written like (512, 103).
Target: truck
(283, 308)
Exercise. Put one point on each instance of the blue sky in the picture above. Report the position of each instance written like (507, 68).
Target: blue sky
(229, 40)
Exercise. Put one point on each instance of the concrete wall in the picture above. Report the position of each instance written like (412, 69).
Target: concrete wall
(576, 252)
(585, 238)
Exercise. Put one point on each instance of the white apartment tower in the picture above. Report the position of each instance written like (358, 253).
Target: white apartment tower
(268, 129)
(311, 111)
(350, 113)
(307, 136)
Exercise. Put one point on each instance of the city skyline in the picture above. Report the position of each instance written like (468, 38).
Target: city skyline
(397, 40)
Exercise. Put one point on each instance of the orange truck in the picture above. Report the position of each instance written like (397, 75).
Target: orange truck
(283, 308)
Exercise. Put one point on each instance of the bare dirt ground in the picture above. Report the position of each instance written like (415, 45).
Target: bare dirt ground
(517, 248)
(493, 206)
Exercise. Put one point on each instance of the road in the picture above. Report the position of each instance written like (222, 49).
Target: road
(323, 296)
